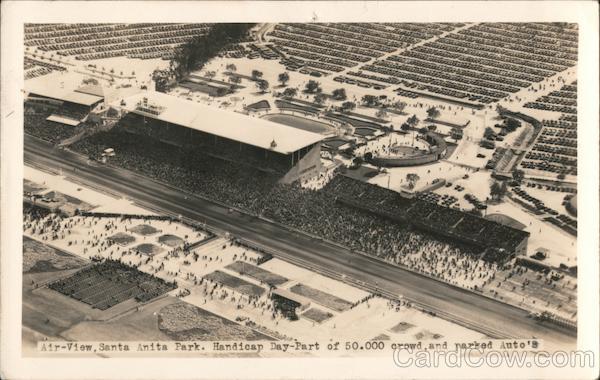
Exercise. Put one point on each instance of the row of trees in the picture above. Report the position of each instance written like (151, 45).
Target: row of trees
(194, 54)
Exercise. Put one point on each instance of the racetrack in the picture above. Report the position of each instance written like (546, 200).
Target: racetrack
(487, 315)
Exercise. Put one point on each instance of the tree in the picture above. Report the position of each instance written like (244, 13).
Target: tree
(381, 113)
(262, 85)
(313, 86)
(210, 74)
(423, 130)
(256, 75)
(498, 190)
(370, 100)
(412, 179)
(339, 94)
(432, 127)
(235, 79)
(413, 120)
(405, 127)
(433, 113)
(356, 162)
(348, 106)
(221, 91)
(518, 175)
(512, 124)
(320, 98)
(231, 68)
(283, 78)
(399, 106)
(489, 133)
(561, 176)
(290, 92)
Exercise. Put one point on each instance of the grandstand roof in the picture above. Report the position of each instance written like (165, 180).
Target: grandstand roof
(60, 92)
(63, 120)
(291, 296)
(227, 124)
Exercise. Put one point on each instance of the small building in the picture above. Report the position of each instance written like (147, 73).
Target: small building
(288, 303)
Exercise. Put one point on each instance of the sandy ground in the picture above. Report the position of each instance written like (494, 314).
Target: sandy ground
(101, 201)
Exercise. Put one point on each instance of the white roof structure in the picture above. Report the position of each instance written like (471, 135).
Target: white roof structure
(63, 120)
(60, 91)
(227, 124)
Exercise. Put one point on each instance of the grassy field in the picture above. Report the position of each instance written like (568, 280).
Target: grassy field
(144, 229)
(184, 321)
(171, 240)
(122, 238)
(39, 257)
(236, 283)
(324, 299)
(149, 249)
(257, 273)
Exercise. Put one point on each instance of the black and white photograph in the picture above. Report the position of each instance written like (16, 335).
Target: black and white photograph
(365, 189)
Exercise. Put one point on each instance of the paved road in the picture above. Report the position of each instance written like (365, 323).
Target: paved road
(474, 309)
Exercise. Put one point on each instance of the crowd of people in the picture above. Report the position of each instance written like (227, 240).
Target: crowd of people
(318, 212)
(110, 283)
(37, 125)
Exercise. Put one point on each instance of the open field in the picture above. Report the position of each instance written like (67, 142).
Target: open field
(40, 257)
(183, 321)
(317, 315)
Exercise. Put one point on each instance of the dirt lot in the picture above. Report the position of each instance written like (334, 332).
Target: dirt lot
(39, 257)
(134, 325)
(184, 321)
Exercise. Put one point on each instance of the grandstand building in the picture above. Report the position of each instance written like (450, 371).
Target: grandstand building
(291, 152)
(66, 105)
